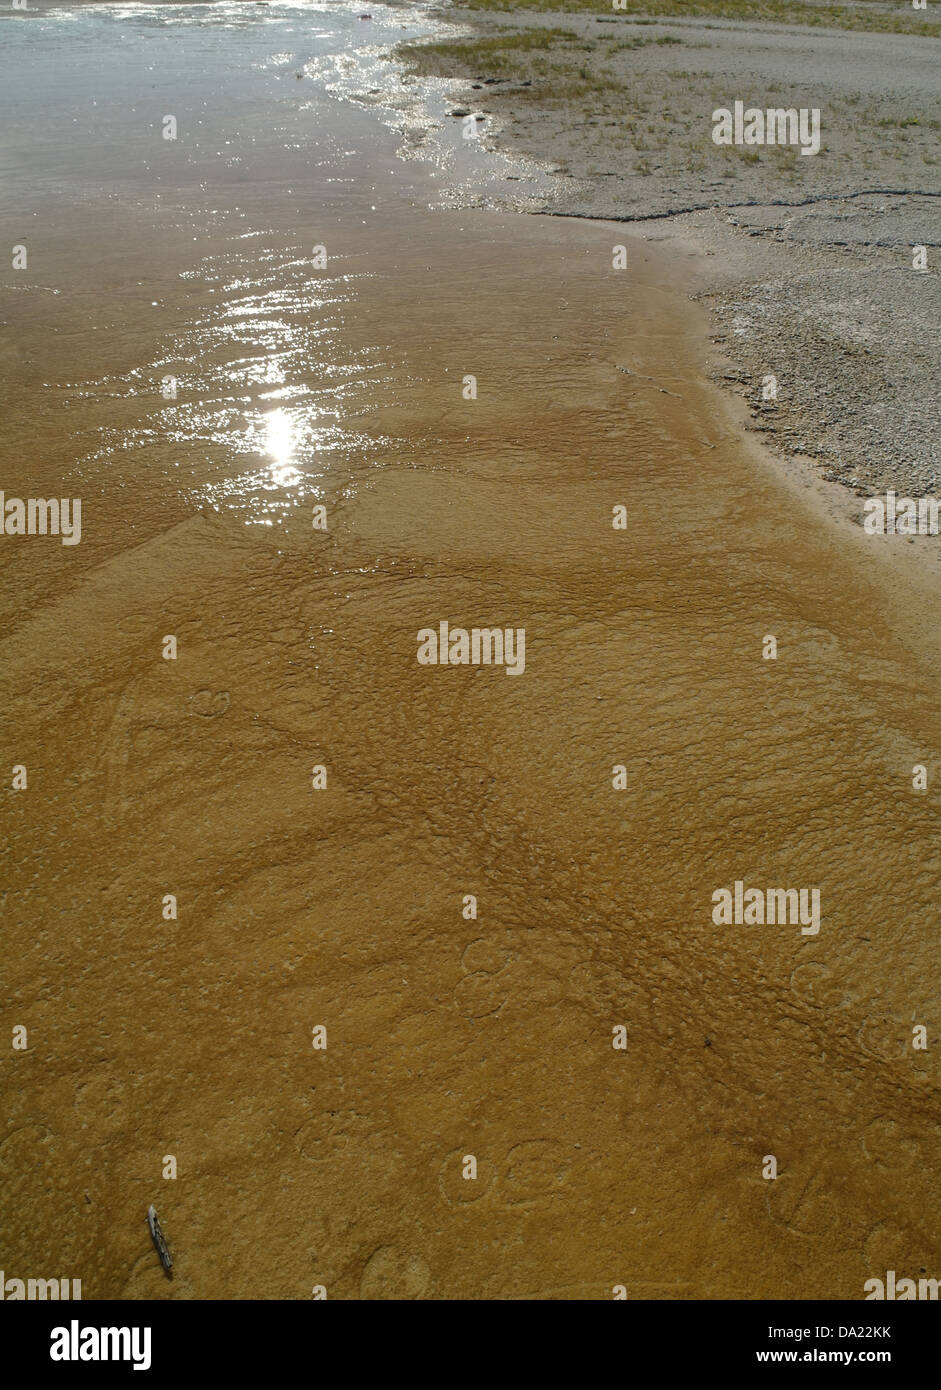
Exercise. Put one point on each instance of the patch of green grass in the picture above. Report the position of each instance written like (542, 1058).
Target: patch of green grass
(549, 58)
(785, 158)
(624, 45)
(514, 55)
(833, 16)
(496, 49)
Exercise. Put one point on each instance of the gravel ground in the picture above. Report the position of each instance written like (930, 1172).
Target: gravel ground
(808, 259)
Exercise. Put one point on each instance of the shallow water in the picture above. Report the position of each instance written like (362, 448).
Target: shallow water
(343, 907)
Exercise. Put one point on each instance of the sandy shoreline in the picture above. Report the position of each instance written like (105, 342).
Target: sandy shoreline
(807, 262)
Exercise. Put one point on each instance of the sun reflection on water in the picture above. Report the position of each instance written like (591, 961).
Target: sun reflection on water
(281, 441)
(265, 413)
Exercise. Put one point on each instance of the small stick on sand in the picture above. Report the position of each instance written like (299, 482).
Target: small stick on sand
(157, 1236)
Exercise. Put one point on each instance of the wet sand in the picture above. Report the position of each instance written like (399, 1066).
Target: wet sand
(343, 907)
